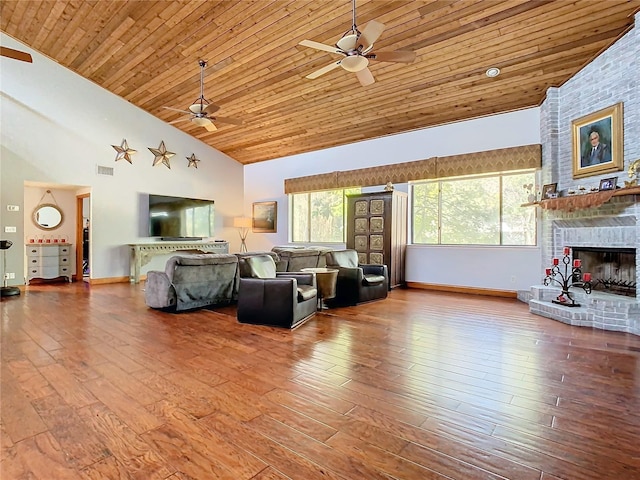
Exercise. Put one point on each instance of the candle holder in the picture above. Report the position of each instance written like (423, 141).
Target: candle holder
(570, 277)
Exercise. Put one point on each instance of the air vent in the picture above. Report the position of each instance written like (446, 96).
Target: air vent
(102, 170)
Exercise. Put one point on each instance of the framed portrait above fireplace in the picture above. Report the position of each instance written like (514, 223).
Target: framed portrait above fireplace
(597, 142)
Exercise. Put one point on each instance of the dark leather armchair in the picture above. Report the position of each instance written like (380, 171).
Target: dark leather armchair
(279, 299)
(356, 283)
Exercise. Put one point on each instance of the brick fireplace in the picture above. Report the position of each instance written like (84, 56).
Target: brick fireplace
(609, 232)
(611, 78)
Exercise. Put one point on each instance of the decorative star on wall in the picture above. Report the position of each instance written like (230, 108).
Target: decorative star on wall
(162, 155)
(124, 152)
(193, 161)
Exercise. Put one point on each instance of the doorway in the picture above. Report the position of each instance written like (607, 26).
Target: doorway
(83, 235)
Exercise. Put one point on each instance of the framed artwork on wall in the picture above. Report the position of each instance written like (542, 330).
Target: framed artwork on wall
(597, 142)
(265, 217)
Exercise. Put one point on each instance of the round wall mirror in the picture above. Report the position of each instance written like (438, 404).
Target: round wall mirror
(47, 216)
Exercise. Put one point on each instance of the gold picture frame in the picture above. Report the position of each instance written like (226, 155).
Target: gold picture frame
(597, 142)
(265, 217)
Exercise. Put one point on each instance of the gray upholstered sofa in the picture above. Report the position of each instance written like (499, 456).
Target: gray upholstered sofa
(295, 258)
(245, 270)
(193, 280)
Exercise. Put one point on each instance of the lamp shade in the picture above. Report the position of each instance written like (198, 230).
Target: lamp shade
(242, 222)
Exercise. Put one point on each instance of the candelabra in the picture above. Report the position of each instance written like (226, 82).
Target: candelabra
(572, 276)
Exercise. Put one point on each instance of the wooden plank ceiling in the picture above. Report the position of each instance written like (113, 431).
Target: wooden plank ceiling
(147, 52)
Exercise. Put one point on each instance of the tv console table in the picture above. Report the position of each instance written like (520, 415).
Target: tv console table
(141, 253)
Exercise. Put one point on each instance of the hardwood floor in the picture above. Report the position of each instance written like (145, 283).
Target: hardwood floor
(423, 385)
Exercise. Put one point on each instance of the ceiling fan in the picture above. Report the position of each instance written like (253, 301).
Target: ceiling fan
(202, 110)
(357, 49)
(15, 54)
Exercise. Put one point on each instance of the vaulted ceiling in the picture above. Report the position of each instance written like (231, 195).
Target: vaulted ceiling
(147, 52)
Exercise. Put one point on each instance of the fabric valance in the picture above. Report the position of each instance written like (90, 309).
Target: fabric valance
(311, 183)
(502, 160)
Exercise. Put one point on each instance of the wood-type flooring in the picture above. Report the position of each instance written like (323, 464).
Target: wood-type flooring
(423, 385)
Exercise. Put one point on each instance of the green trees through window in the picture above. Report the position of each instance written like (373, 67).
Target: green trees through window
(474, 211)
(319, 216)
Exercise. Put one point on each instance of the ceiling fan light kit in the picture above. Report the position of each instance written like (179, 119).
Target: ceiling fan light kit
(355, 63)
(348, 41)
(356, 47)
(197, 108)
(201, 110)
(201, 121)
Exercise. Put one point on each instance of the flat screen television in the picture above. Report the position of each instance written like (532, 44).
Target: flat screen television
(179, 218)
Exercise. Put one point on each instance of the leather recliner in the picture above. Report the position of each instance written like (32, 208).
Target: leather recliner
(279, 299)
(357, 283)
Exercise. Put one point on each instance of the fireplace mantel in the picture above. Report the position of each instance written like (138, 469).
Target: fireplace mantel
(587, 200)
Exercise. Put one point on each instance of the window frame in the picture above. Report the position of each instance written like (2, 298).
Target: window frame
(291, 196)
(440, 181)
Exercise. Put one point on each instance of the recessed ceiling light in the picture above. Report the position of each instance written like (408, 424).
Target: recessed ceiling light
(493, 72)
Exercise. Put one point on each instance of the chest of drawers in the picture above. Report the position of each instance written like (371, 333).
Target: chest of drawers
(49, 261)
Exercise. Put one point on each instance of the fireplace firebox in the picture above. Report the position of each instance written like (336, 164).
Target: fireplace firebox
(613, 270)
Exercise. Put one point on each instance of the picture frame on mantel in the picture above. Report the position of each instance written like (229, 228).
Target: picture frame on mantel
(598, 142)
(265, 217)
(608, 184)
(550, 190)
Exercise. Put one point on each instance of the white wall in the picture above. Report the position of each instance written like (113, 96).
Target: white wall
(57, 127)
(481, 267)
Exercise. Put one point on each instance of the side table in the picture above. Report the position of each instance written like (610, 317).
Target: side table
(326, 279)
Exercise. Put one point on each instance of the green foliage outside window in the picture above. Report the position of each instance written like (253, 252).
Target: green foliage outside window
(319, 216)
(474, 211)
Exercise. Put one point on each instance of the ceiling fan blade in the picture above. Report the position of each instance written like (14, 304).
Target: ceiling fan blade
(211, 108)
(319, 46)
(210, 127)
(323, 70)
(365, 76)
(371, 33)
(178, 110)
(232, 121)
(16, 54)
(179, 121)
(401, 56)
